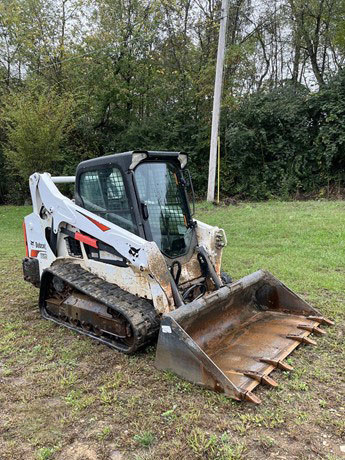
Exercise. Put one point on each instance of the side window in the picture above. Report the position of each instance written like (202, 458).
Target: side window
(91, 191)
(103, 192)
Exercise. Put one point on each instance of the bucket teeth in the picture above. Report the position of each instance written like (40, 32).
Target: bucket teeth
(251, 397)
(301, 339)
(314, 329)
(253, 375)
(264, 379)
(321, 320)
(278, 364)
(267, 380)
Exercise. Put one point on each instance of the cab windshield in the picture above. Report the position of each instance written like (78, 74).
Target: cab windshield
(161, 196)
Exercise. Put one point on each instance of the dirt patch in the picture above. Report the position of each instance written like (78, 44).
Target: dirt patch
(78, 451)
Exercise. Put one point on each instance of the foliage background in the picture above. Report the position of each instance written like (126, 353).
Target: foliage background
(83, 78)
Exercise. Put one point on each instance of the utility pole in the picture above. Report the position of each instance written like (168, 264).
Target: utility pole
(216, 100)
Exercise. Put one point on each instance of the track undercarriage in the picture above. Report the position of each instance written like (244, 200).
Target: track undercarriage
(79, 300)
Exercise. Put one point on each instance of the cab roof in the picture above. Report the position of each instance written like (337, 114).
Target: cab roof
(124, 159)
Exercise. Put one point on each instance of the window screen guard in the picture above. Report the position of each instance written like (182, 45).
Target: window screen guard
(103, 193)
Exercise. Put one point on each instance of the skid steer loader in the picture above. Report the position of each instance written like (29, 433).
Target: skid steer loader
(125, 261)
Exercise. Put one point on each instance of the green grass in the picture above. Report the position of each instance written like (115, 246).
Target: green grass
(46, 453)
(302, 243)
(63, 396)
(145, 438)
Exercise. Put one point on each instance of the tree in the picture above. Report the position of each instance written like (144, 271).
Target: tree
(37, 124)
(314, 32)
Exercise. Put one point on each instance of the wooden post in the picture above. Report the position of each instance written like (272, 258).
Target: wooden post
(218, 169)
(216, 100)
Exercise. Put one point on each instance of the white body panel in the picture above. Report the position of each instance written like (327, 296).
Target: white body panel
(214, 240)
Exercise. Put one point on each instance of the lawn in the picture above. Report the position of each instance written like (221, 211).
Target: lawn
(65, 397)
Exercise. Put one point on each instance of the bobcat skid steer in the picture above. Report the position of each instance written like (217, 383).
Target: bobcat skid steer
(125, 261)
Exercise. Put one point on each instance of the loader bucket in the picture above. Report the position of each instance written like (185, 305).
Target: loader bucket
(232, 339)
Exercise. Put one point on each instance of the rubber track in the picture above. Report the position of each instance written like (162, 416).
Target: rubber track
(139, 312)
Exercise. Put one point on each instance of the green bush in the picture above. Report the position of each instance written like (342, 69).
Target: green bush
(285, 142)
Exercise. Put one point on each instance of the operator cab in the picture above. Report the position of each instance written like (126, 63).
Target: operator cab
(143, 192)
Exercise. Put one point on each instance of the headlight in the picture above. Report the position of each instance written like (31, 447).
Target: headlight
(137, 157)
(183, 158)
(221, 239)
